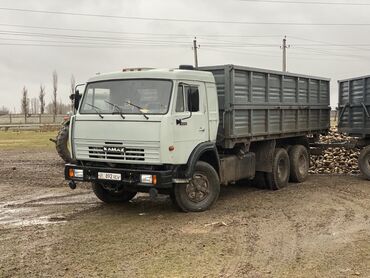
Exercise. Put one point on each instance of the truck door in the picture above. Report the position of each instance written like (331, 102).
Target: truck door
(190, 119)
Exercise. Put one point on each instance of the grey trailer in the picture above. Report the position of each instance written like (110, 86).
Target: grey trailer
(258, 104)
(354, 105)
(354, 116)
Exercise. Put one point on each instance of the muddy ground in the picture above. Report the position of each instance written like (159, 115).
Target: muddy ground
(317, 229)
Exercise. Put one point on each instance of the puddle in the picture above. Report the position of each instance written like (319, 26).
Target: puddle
(44, 210)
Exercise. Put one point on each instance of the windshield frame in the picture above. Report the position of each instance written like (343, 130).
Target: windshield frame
(126, 79)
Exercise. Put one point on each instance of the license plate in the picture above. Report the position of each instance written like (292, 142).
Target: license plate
(109, 176)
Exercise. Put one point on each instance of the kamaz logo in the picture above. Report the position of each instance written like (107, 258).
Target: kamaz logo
(113, 149)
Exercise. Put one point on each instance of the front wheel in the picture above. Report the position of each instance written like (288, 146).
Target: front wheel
(112, 196)
(201, 192)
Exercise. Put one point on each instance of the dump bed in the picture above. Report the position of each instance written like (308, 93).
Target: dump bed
(258, 104)
(354, 106)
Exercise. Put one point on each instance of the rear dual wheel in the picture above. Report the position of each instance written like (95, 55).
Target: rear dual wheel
(291, 166)
(279, 177)
(364, 162)
(299, 163)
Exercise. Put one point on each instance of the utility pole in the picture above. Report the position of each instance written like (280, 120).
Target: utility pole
(285, 47)
(195, 48)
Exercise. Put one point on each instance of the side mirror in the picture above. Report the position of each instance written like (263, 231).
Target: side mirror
(76, 99)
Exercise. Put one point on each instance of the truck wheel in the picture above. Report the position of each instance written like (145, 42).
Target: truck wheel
(280, 170)
(107, 196)
(364, 162)
(61, 144)
(299, 163)
(201, 192)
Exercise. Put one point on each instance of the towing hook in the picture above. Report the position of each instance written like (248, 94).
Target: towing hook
(72, 184)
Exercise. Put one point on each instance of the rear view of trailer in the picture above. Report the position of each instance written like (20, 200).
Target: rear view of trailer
(257, 104)
(354, 106)
(354, 116)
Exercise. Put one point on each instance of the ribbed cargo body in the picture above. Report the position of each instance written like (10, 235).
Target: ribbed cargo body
(354, 106)
(257, 104)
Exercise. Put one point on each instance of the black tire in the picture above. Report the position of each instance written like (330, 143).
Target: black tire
(299, 163)
(364, 162)
(201, 192)
(107, 196)
(61, 144)
(279, 177)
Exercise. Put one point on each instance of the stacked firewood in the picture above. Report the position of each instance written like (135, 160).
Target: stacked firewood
(335, 160)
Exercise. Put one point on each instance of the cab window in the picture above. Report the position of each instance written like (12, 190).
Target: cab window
(187, 98)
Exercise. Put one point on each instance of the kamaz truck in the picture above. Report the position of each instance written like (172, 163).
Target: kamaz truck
(185, 132)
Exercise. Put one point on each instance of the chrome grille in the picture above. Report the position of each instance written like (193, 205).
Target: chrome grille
(117, 153)
(133, 152)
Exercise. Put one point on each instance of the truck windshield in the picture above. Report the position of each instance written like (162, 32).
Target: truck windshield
(152, 96)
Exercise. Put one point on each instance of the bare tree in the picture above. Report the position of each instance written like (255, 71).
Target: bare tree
(55, 89)
(42, 99)
(4, 110)
(34, 108)
(62, 108)
(25, 102)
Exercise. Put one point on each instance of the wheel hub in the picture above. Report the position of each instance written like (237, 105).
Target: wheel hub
(198, 188)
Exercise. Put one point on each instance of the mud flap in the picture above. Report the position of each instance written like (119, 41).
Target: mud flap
(264, 152)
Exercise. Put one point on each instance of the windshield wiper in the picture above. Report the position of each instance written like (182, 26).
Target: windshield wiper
(96, 109)
(116, 107)
(138, 107)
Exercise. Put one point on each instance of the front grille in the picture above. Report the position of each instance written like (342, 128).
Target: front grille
(98, 150)
(117, 153)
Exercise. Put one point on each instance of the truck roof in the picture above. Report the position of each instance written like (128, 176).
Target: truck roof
(175, 74)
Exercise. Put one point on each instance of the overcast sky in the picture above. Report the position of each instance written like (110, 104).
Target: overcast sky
(110, 44)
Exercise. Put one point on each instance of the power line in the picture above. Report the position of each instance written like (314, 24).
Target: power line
(137, 33)
(184, 20)
(307, 2)
(67, 36)
(81, 45)
(325, 42)
(129, 39)
(151, 41)
(81, 41)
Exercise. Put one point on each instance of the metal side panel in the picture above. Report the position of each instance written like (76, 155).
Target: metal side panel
(257, 104)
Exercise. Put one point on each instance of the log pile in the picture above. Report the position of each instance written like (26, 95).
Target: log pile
(335, 160)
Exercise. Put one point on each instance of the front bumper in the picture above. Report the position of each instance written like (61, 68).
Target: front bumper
(130, 178)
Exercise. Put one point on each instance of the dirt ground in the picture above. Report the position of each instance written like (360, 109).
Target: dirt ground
(320, 228)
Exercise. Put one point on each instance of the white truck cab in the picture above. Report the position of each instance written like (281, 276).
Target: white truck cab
(137, 130)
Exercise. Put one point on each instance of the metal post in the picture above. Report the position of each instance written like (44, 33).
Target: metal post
(195, 48)
(285, 47)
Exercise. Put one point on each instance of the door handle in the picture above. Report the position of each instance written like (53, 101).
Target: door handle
(202, 129)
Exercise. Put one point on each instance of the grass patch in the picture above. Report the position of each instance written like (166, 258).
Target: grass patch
(26, 140)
